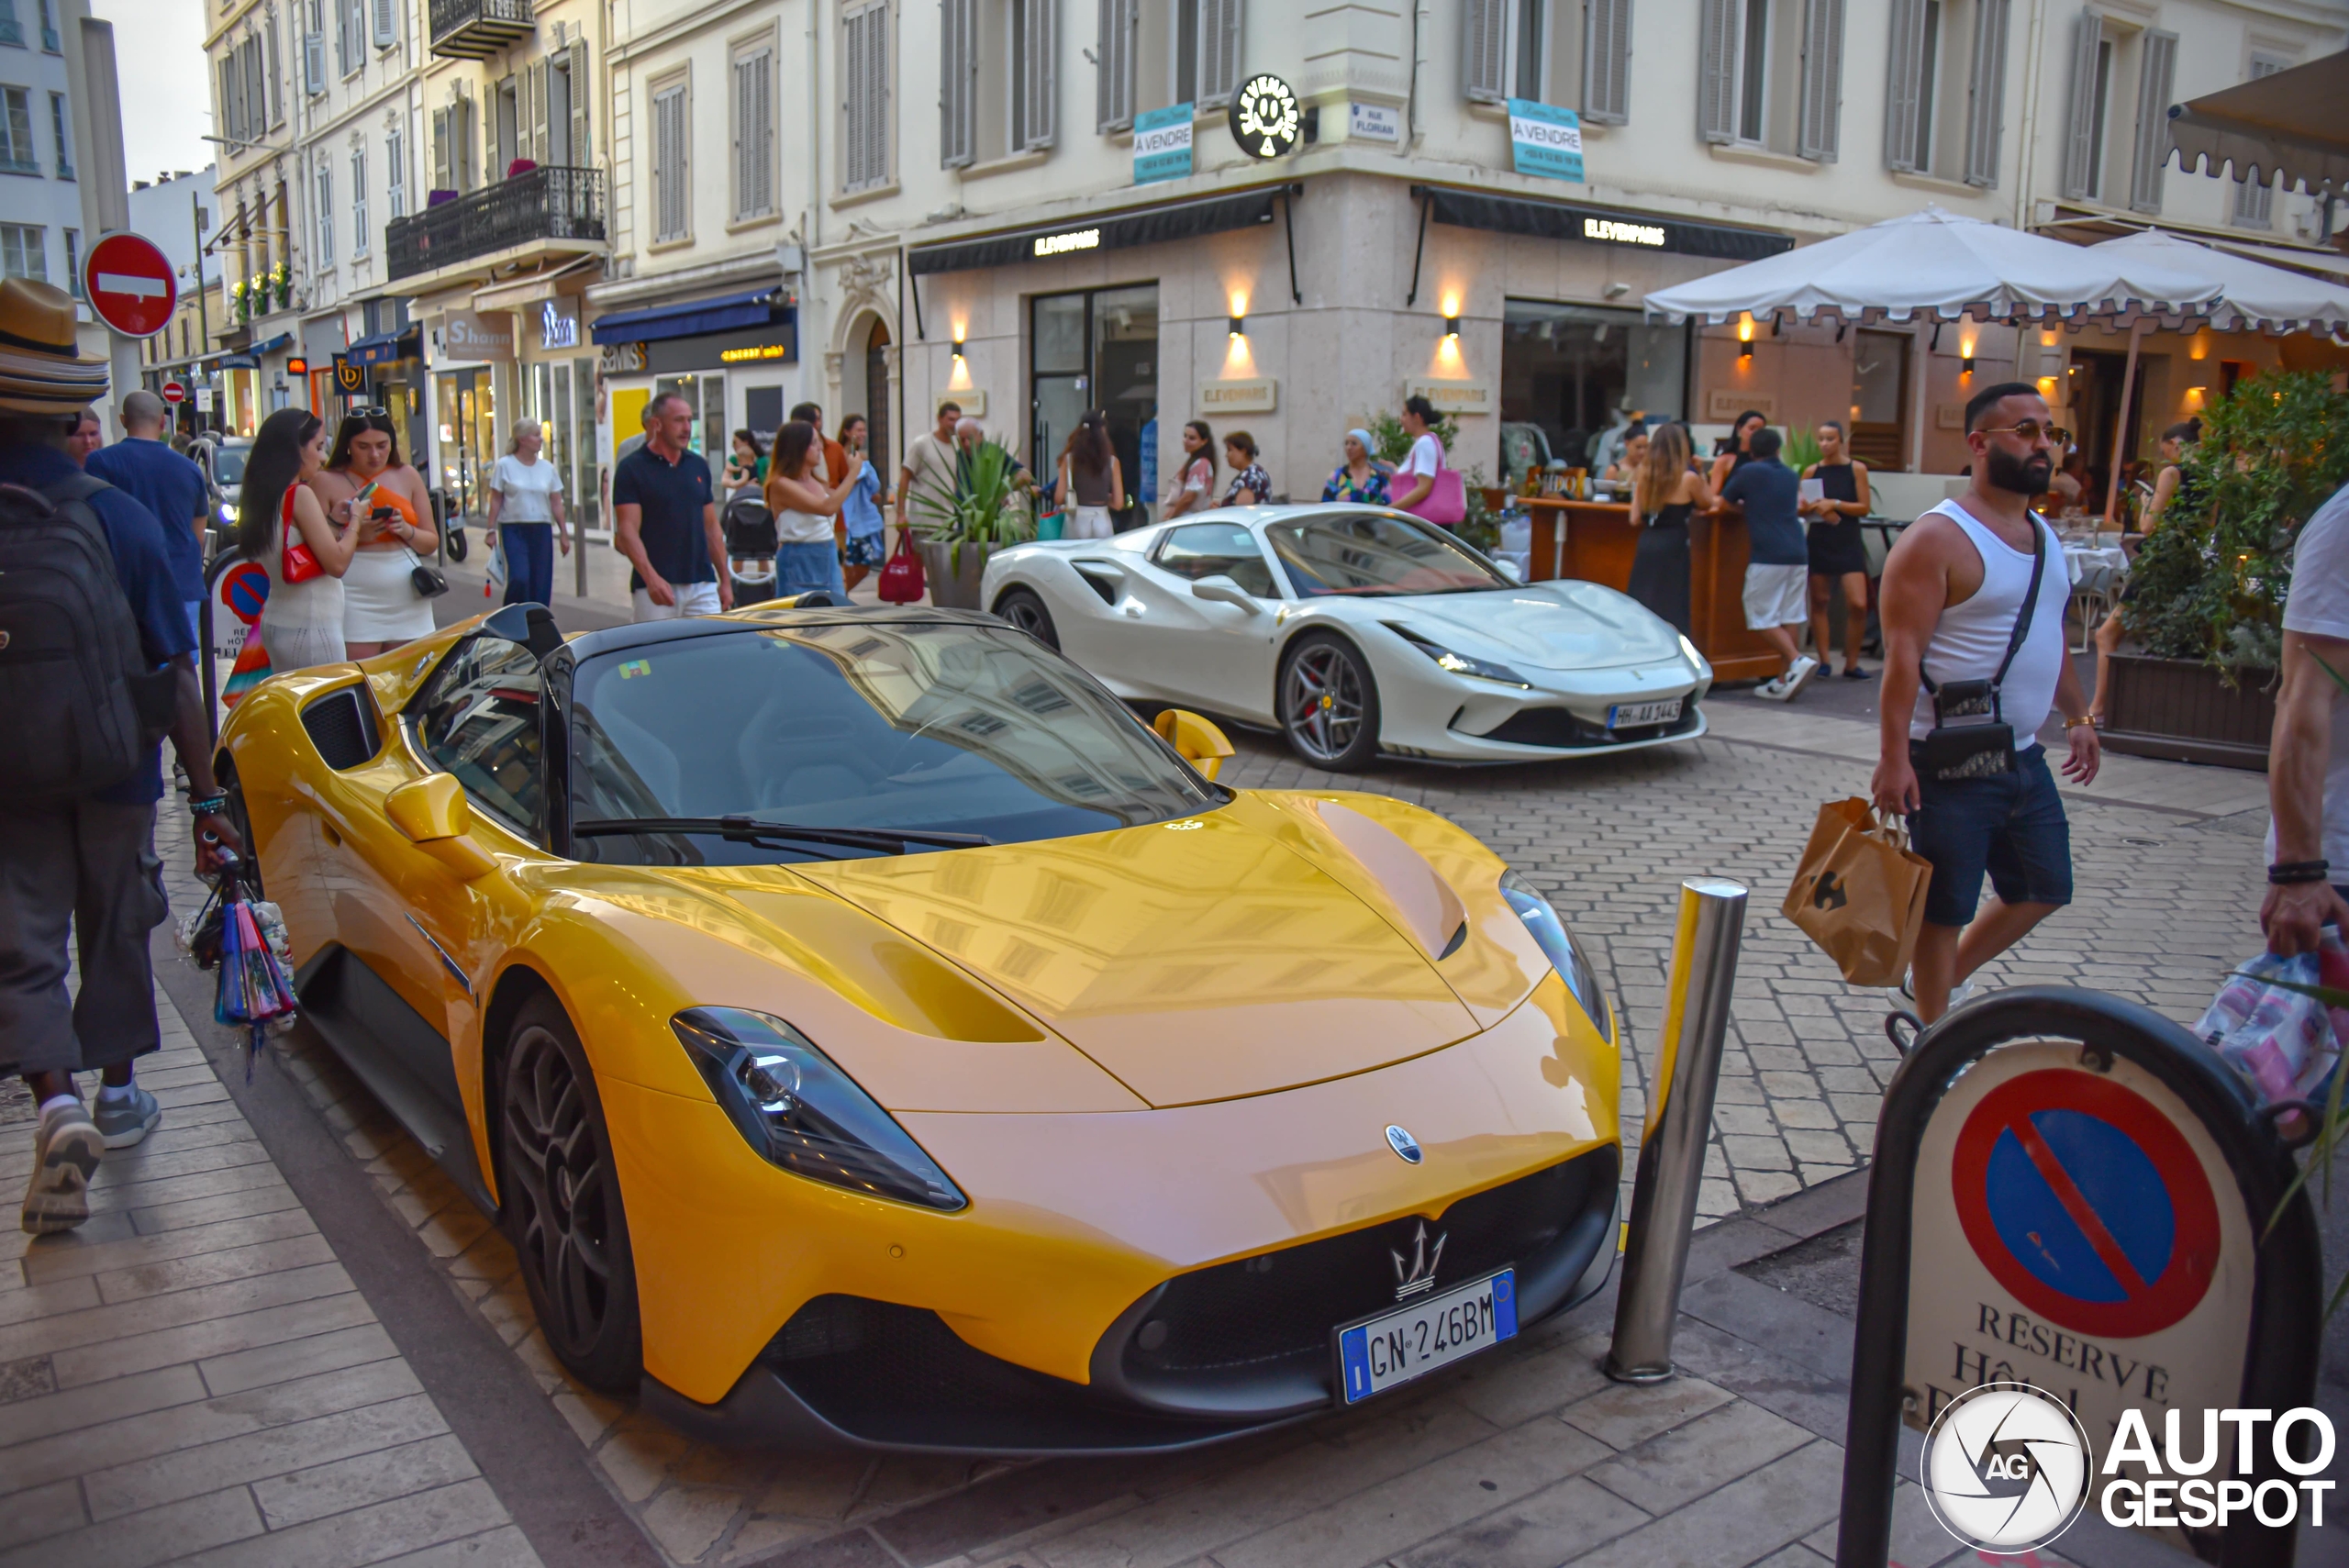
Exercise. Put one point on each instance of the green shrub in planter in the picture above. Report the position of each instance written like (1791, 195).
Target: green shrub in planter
(989, 508)
(2209, 580)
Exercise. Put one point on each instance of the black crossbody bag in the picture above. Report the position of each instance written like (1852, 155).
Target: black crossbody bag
(1970, 738)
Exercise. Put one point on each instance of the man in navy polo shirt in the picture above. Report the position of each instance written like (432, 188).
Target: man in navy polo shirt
(147, 470)
(664, 520)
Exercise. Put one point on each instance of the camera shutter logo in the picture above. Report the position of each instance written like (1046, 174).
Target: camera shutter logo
(2006, 1468)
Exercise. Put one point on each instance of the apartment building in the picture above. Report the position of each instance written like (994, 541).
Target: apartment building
(41, 202)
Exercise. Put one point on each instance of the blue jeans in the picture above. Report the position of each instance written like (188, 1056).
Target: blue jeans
(2009, 825)
(803, 568)
(529, 562)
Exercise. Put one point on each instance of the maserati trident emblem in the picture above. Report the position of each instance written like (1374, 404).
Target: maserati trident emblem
(1405, 1146)
(1415, 1276)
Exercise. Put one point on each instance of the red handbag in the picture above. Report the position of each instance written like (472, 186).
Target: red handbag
(901, 577)
(297, 565)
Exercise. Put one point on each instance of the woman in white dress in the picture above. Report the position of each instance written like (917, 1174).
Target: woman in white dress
(365, 482)
(280, 525)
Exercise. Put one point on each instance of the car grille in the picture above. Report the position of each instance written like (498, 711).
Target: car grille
(1285, 1304)
(1559, 727)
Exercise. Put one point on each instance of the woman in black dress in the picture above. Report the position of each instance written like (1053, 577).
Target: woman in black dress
(1667, 489)
(1839, 553)
(1735, 449)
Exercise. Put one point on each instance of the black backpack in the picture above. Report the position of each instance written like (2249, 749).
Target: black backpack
(78, 701)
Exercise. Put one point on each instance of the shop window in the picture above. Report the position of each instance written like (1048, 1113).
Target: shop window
(1572, 373)
(1097, 350)
(864, 97)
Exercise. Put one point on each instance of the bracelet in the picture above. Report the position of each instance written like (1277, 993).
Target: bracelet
(2285, 873)
(210, 805)
(2076, 723)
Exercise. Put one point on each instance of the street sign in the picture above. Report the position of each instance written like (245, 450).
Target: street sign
(173, 391)
(348, 377)
(130, 284)
(204, 400)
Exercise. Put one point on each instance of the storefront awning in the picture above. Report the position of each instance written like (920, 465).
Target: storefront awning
(1604, 226)
(282, 340)
(384, 347)
(1147, 226)
(2294, 123)
(727, 313)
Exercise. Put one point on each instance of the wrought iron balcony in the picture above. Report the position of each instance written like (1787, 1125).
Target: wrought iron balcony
(475, 30)
(554, 207)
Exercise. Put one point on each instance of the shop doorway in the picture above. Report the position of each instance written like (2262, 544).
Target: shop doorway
(877, 400)
(2094, 412)
(466, 402)
(1880, 399)
(562, 399)
(1097, 350)
(1570, 372)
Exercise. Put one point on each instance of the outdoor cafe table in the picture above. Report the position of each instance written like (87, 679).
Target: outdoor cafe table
(1593, 540)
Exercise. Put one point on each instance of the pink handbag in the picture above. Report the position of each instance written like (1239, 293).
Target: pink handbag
(1446, 505)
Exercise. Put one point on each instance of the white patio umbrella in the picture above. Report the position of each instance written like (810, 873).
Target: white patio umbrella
(1937, 263)
(2253, 295)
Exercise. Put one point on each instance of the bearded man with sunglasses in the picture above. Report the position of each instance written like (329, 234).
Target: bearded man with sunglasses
(1972, 607)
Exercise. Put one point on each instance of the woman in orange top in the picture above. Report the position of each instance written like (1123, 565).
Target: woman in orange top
(364, 478)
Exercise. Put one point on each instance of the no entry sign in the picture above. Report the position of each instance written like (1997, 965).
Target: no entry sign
(173, 391)
(130, 284)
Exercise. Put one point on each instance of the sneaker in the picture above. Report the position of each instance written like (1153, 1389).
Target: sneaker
(66, 1151)
(1856, 674)
(1800, 675)
(128, 1119)
(1773, 690)
(1958, 993)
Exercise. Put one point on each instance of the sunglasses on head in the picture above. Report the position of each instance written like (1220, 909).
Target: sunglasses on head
(2029, 430)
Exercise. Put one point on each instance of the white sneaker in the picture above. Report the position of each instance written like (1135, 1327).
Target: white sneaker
(1773, 690)
(1800, 676)
(1958, 993)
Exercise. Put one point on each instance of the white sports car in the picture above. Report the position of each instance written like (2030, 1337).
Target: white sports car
(1355, 631)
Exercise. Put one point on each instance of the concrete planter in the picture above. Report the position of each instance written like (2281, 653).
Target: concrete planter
(2180, 710)
(952, 589)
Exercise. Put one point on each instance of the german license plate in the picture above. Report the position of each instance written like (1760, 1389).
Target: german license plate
(1411, 1341)
(1631, 715)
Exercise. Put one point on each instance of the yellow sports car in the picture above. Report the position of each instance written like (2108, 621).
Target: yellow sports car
(870, 1033)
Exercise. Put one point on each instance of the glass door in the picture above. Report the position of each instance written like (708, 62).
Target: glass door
(1095, 350)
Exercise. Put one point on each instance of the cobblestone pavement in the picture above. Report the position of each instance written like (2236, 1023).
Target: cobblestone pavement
(1526, 1456)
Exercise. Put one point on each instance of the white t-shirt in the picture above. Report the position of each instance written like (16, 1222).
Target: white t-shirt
(2319, 606)
(526, 487)
(1426, 457)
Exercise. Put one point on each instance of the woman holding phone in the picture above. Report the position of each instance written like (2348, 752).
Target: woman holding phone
(366, 488)
(280, 525)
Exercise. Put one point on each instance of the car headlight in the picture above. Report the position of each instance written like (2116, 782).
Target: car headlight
(1558, 945)
(1696, 659)
(229, 515)
(1461, 663)
(801, 1112)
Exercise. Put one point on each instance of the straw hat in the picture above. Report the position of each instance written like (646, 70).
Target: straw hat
(42, 367)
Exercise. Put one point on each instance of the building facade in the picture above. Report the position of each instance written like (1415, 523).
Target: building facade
(41, 200)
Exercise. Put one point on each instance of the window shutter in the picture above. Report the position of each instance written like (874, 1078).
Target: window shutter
(583, 88)
(1822, 80)
(2256, 201)
(880, 94)
(852, 87)
(387, 23)
(1904, 84)
(1716, 71)
(540, 111)
(958, 82)
(1113, 93)
(1219, 52)
(314, 63)
(2080, 129)
(669, 163)
(228, 98)
(1483, 50)
(276, 89)
(1607, 61)
(1985, 103)
(256, 89)
(443, 179)
(1042, 46)
(358, 202)
(2156, 75)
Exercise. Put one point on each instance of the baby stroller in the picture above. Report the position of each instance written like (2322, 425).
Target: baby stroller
(749, 550)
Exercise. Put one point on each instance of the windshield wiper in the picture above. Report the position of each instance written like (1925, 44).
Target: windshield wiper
(752, 829)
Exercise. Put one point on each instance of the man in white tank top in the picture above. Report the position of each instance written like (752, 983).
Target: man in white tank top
(2308, 755)
(1954, 590)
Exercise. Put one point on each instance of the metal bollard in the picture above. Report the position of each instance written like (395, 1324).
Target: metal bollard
(1680, 1120)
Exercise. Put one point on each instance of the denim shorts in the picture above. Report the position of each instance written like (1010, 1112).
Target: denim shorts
(2010, 825)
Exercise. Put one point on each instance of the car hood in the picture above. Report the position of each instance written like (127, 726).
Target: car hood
(1543, 626)
(1194, 960)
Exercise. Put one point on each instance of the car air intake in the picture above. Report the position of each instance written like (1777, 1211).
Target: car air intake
(342, 726)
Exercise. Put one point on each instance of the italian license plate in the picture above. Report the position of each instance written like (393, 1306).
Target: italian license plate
(1634, 714)
(1410, 1341)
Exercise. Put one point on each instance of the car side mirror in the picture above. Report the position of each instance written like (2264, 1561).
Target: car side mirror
(431, 814)
(1511, 570)
(1199, 743)
(1220, 589)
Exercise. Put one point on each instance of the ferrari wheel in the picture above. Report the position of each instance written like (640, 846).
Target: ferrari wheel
(561, 1203)
(1328, 704)
(1024, 610)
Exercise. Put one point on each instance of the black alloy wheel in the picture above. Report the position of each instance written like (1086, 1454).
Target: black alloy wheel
(1328, 704)
(1024, 610)
(561, 1203)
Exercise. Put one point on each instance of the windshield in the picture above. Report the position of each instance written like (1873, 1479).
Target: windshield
(1369, 555)
(229, 465)
(952, 728)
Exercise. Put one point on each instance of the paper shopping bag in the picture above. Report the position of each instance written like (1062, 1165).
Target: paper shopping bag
(1860, 892)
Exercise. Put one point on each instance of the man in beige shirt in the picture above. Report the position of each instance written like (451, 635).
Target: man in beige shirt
(929, 463)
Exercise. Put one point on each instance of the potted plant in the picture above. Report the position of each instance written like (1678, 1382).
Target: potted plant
(2207, 597)
(987, 510)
